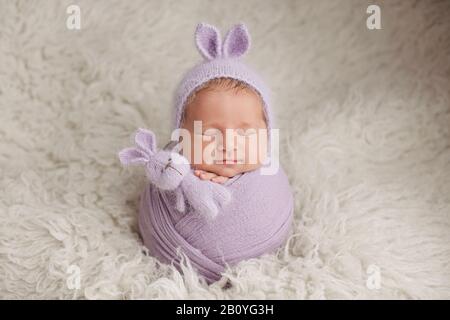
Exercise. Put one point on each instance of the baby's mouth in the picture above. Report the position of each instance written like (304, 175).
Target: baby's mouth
(228, 161)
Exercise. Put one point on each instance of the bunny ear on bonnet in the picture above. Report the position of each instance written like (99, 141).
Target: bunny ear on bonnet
(209, 43)
(237, 41)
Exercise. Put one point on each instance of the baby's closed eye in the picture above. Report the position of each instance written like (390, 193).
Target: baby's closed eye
(211, 132)
(246, 132)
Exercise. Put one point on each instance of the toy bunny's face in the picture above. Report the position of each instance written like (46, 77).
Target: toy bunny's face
(167, 169)
(164, 168)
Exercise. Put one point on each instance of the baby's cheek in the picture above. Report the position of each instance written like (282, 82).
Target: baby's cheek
(255, 151)
(194, 150)
(209, 151)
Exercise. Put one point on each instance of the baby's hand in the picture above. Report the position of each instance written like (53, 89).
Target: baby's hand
(205, 175)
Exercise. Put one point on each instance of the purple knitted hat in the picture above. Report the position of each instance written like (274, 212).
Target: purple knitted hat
(221, 60)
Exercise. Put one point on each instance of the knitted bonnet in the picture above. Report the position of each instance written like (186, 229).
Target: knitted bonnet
(221, 59)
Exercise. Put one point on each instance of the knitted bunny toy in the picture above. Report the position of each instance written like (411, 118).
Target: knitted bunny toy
(171, 171)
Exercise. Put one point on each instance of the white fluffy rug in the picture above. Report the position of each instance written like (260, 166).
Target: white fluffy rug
(364, 118)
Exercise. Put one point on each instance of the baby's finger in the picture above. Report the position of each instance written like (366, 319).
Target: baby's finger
(207, 175)
(197, 172)
(219, 179)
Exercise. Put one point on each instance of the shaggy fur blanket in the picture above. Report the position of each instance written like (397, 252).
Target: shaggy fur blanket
(364, 126)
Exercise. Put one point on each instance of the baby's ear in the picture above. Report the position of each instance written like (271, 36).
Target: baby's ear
(146, 140)
(237, 41)
(208, 41)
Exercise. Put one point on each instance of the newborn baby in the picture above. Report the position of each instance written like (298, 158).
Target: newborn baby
(223, 104)
(223, 118)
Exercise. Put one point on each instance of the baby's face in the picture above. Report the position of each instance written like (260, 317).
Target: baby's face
(221, 109)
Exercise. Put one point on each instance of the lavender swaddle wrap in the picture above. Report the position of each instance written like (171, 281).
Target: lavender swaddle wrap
(214, 225)
(256, 221)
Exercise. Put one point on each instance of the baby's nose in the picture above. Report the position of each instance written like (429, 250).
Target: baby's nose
(227, 144)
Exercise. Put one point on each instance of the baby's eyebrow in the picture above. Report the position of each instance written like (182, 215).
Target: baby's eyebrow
(245, 124)
(242, 124)
(211, 125)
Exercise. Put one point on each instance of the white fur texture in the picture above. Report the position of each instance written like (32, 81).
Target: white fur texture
(364, 118)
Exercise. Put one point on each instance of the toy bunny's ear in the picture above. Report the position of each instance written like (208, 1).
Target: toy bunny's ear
(237, 41)
(146, 140)
(130, 156)
(208, 41)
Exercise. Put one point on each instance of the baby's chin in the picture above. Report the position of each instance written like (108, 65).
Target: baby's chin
(227, 170)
